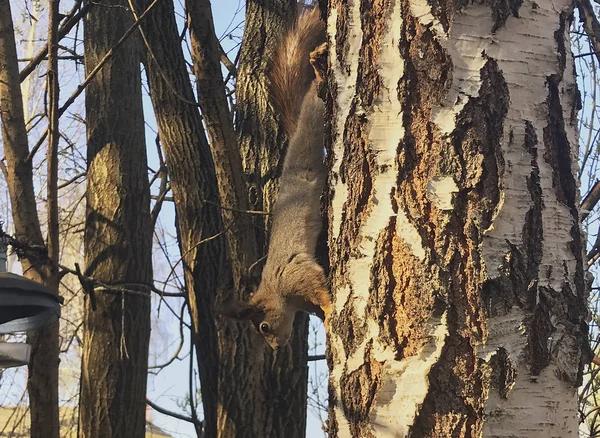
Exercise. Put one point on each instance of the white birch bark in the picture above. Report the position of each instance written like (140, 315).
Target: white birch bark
(456, 253)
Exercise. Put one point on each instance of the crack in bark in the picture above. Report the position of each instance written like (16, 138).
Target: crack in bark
(358, 165)
(366, 381)
(518, 283)
(503, 372)
(382, 304)
(533, 229)
(373, 23)
(454, 404)
(549, 309)
(341, 34)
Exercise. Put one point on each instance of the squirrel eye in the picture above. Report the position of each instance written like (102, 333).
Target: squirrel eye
(264, 328)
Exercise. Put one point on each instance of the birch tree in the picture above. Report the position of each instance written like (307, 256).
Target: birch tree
(457, 258)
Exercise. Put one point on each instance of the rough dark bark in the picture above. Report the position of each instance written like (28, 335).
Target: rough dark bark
(258, 393)
(454, 231)
(43, 367)
(223, 141)
(193, 182)
(118, 233)
(261, 139)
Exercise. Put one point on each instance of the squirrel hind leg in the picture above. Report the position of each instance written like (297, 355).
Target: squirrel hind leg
(324, 304)
(318, 60)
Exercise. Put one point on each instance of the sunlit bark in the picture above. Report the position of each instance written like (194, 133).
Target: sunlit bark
(118, 233)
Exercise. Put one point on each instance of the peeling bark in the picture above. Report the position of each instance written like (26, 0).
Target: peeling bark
(456, 254)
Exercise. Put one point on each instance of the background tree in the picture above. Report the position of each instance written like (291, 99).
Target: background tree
(43, 367)
(118, 233)
(251, 379)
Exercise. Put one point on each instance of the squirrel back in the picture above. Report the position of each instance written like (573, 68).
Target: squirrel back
(292, 280)
(291, 74)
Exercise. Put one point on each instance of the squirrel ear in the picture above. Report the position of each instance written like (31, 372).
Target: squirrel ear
(238, 310)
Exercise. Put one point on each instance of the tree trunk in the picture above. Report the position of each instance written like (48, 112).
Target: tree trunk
(118, 233)
(259, 393)
(42, 383)
(193, 182)
(458, 279)
(223, 142)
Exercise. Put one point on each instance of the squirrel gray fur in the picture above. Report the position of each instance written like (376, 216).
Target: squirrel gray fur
(292, 280)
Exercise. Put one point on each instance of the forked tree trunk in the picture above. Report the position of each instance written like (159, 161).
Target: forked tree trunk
(247, 390)
(456, 252)
(269, 394)
(118, 233)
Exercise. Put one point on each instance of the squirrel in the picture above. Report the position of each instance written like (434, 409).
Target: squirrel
(292, 280)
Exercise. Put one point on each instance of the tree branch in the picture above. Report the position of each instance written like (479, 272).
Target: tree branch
(590, 201)
(590, 24)
(173, 414)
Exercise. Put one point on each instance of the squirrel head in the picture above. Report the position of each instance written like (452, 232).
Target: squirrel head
(269, 314)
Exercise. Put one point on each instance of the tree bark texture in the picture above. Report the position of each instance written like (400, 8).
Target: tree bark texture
(217, 118)
(193, 182)
(118, 233)
(261, 139)
(42, 383)
(456, 253)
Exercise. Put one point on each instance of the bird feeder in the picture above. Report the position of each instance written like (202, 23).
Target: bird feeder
(24, 305)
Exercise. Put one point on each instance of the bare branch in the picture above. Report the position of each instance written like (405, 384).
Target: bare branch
(590, 201)
(590, 24)
(173, 414)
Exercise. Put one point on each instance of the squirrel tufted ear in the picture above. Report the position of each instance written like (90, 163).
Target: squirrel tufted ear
(240, 310)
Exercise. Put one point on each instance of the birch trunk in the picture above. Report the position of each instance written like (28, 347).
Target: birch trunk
(456, 252)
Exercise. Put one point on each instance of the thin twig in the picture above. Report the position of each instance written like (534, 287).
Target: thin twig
(72, 180)
(316, 357)
(171, 413)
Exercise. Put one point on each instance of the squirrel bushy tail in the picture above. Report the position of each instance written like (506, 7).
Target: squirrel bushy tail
(291, 74)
